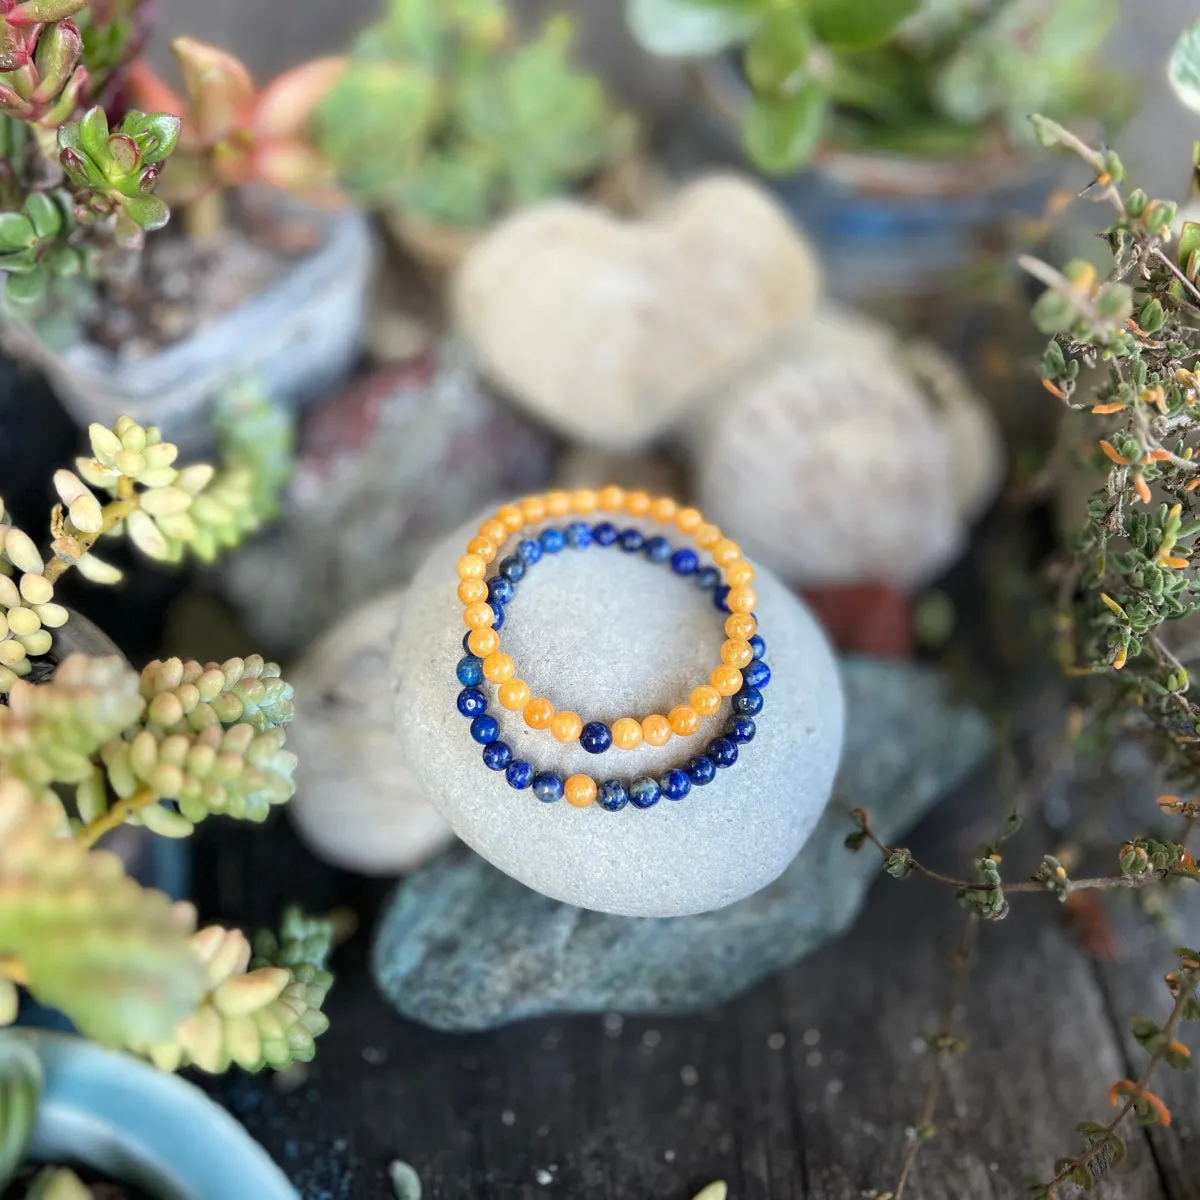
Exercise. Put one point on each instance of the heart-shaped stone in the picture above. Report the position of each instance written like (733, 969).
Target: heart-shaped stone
(607, 330)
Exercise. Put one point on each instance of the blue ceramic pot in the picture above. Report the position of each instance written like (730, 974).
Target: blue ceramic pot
(143, 1127)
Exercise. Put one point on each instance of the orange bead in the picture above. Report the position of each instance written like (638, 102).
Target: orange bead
(482, 642)
(687, 519)
(706, 536)
(627, 733)
(533, 509)
(566, 726)
(558, 504)
(471, 566)
(726, 552)
(484, 547)
(611, 498)
(510, 516)
(499, 667)
(726, 679)
(471, 590)
(741, 599)
(580, 790)
(637, 504)
(740, 625)
(705, 700)
(497, 531)
(539, 713)
(683, 720)
(737, 653)
(656, 730)
(479, 615)
(739, 574)
(663, 508)
(514, 694)
(583, 501)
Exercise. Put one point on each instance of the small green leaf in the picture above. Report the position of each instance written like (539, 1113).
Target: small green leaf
(778, 52)
(690, 28)
(781, 134)
(859, 24)
(146, 211)
(93, 135)
(45, 215)
(27, 290)
(1183, 70)
(156, 133)
(16, 232)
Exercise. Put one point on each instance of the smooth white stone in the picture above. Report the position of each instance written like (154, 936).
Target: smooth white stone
(607, 634)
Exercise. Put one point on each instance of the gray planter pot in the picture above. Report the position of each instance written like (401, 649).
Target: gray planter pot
(299, 338)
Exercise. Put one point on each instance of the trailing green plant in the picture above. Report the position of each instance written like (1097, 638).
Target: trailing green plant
(940, 78)
(443, 115)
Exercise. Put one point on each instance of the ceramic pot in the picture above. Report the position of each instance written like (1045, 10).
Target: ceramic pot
(143, 1127)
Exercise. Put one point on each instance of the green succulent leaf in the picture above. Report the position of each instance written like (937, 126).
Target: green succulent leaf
(1183, 70)
(858, 25)
(93, 135)
(16, 232)
(780, 135)
(777, 52)
(26, 290)
(146, 211)
(44, 214)
(156, 134)
(21, 1082)
(690, 28)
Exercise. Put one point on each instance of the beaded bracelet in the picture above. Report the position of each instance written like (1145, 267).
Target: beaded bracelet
(612, 794)
(626, 733)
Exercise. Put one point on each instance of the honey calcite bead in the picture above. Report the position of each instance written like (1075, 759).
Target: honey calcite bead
(539, 713)
(472, 590)
(471, 566)
(684, 720)
(656, 730)
(627, 733)
(566, 726)
(741, 626)
(726, 552)
(533, 509)
(734, 653)
(580, 790)
(705, 700)
(583, 501)
(558, 504)
(510, 517)
(498, 667)
(726, 679)
(741, 599)
(637, 504)
(611, 498)
(514, 694)
(495, 531)
(479, 615)
(483, 642)
(688, 520)
(739, 573)
(485, 547)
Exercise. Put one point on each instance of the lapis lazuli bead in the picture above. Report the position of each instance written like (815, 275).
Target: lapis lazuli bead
(519, 774)
(757, 674)
(529, 551)
(470, 671)
(512, 568)
(472, 702)
(632, 540)
(644, 792)
(500, 589)
(701, 770)
(485, 728)
(553, 540)
(685, 562)
(579, 535)
(674, 784)
(613, 795)
(657, 549)
(758, 646)
(595, 737)
(722, 751)
(497, 614)
(748, 702)
(497, 755)
(605, 534)
(708, 578)
(740, 729)
(719, 596)
(548, 787)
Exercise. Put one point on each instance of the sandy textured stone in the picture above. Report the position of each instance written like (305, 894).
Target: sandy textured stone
(607, 330)
(607, 634)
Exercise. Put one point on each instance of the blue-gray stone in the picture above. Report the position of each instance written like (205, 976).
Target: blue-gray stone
(462, 946)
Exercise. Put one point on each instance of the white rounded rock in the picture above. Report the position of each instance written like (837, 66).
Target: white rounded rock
(607, 634)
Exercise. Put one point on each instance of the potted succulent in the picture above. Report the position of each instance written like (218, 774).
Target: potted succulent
(445, 122)
(95, 746)
(261, 277)
(896, 131)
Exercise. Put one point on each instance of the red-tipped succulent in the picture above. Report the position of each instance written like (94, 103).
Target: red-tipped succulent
(41, 78)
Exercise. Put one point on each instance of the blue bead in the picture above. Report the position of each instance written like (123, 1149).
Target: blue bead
(632, 540)
(497, 755)
(644, 792)
(553, 540)
(529, 551)
(512, 568)
(548, 787)
(605, 534)
(707, 578)
(469, 671)
(701, 770)
(658, 549)
(748, 702)
(722, 751)
(685, 562)
(674, 784)
(595, 737)
(757, 674)
(758, 645)
(613, 795)
(719, 595)
(519, 774)
(467, 641)
(500, 589)
(485, 729)
(472, 702)
(497, 614)
(579, 534)
(740, 729)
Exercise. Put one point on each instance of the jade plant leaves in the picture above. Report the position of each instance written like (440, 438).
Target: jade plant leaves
(857, 26)
(780, 133)
(1183, 70)
(690, 28)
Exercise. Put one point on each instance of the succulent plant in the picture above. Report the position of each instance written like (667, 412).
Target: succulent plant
(443, 115)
